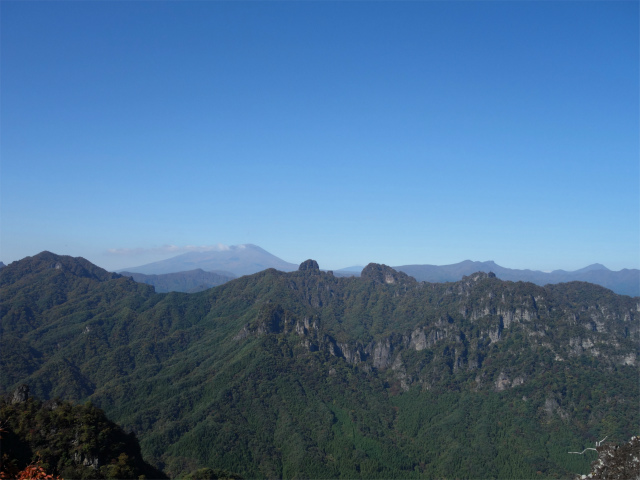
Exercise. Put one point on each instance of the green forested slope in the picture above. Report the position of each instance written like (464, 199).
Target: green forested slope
(306, 374)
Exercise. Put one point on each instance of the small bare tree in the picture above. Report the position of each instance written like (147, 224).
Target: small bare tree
(589, 448)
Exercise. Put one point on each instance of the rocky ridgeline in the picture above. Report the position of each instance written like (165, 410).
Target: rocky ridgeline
(385, 274)
(479, 314)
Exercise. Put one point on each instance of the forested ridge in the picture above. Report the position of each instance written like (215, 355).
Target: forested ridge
(306, 374)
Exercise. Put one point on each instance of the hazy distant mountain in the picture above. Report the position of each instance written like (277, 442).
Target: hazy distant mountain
(2, 265)
(348, 272)
(624, 282)
(357, 269)
(190, 282)
(237, 259)
(248, 259)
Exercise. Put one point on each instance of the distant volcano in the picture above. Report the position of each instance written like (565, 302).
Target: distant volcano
(237, 259)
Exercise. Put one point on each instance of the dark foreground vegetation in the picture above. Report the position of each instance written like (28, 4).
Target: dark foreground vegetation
(304, 374)
(66, 440)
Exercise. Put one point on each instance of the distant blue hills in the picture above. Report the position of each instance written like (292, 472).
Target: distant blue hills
(624, 282)
(238, 260)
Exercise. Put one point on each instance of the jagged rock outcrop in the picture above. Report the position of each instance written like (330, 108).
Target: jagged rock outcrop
(418, 340)
(616, 462)
(21, 394)
(309, 266)
(382, 354)
(385, 274)
(484, 312)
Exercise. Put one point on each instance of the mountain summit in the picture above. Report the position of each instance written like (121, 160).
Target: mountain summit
(384, 274)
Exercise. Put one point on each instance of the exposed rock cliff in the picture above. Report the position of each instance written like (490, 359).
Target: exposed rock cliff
(459, 325)
(616, 462)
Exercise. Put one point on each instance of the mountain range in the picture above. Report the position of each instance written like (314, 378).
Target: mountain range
(306, 374)
(247, 259)
(624, 282)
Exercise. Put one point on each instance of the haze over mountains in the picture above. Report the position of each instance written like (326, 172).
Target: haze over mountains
(191, 281)
(238, 260)
(624, 282)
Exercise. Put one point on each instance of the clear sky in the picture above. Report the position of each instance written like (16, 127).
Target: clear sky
(348, 132)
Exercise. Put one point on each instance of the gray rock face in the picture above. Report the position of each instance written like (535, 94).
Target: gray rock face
(503, 382)
(21, 394)
(87, 461)
(244, 333)
(382, 354)
(551, 406)
(351, 355)
(418, 339)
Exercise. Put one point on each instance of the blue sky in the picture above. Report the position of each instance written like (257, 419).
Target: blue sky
(348, 132)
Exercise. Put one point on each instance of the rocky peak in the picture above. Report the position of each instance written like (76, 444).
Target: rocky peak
(384, 274)
(21, 394)
(309, 265)
(65, 265)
